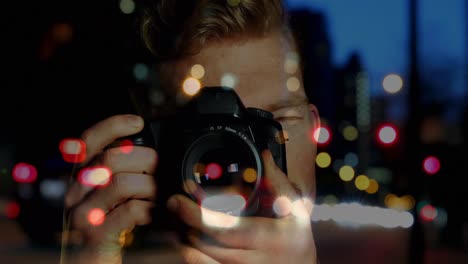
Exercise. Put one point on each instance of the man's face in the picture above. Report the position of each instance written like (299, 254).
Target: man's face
(267, 76)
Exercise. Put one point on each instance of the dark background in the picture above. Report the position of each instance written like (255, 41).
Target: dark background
(67, 65)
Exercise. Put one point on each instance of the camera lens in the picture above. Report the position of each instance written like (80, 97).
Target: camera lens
(221, 163)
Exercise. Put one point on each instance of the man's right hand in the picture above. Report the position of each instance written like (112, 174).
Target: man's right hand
(126, 201)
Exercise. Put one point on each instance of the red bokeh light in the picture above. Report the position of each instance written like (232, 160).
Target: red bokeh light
(431, 165)
(213, 171)
(12, 210)
(96, 216)
(428, 213)
(321, 135)
(387, 134)
(126, 146)
(73, 150)
(24, 173)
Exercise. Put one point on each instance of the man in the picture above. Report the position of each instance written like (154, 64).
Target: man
(248, 39)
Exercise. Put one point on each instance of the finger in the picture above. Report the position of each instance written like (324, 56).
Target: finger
(105, 132)
(225, 255)
(124, 186)
(106, 231)
(195, 256)
(277, 181)
(233, 231)
(140, 160)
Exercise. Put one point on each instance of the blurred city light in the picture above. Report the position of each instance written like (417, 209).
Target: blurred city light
(213, 171)
(73, 150)
(52, 189)
(428, 213)
(282, 206)
(321, 135)
(346, 173)
(293, 84)
(373, 187)
(127, 6)
(362, 182)
(350, 133)
(197, 71)
(126, 146)
(12, 210)
(431, 165)
(96, 216)
(191, 86)
(387, 134)
(323, 160)
(229, 80)
(140, 71)
(355, 214)
(392, 83)
(98, 176)
(250, 175)
(24, 173)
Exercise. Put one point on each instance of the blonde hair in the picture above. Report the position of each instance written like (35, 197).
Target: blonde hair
(173, 29)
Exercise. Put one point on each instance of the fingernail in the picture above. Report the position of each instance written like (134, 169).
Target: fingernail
(173, 204)
(134, 120)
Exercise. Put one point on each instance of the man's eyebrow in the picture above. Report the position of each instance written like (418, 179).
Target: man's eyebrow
(287, 102)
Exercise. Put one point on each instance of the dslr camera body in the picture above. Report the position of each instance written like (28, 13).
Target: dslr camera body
(210, 150)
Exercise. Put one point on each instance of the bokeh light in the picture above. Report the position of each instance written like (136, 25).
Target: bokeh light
(293, 84)
(197, 71)
(387, 134)
(229, 80)
(373, 187)
(24, 173)
(73, 150)
(96, 216)
(346, 173)
(12, 210)
(350, 133)
(321, 135)
(431, 165)
(191, 86)
(362, 182)
(428, 213)
(250, 175)
(323, 160)
(127, 6)
(282, 206)
(98, 176)
(406, 202)
(351, 159)
(213, 171)
(126, 146)
(140, 71)
(392, 83)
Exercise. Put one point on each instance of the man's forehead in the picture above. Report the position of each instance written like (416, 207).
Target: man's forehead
(257, 66)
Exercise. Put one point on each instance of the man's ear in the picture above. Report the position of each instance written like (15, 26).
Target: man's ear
(315, 117)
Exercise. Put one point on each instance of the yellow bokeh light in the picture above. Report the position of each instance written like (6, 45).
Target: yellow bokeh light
(392, 83)
(406, 202)
(362, 182)
(323, 160)
(250, 175)
(373, 186)
(293, 84)
(346, 173)
(197, 71)
(350, 133)
(191, 86)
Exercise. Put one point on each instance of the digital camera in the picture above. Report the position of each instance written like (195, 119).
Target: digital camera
(210, 150)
